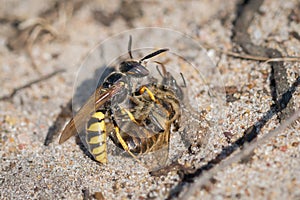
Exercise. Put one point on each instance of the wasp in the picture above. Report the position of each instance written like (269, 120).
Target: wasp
(137, 119)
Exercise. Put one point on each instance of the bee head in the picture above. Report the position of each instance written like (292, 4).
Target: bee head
(169, 82)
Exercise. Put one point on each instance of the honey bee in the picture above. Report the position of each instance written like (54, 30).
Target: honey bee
(137, 119)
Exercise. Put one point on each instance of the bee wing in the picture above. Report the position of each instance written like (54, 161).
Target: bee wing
(158, 154)
(77, 123)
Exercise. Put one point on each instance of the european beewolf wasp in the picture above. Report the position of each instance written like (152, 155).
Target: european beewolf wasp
(137, 118)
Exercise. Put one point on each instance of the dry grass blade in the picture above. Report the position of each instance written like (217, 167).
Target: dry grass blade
(15, 90)
(252, 57)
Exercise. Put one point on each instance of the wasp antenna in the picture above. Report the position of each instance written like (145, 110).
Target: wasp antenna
(129, 46)
(155, 53)
(184, 83)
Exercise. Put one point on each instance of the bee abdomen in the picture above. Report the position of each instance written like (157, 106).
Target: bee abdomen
(96, 137)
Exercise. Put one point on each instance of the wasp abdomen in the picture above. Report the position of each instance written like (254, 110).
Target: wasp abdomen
(96, 137)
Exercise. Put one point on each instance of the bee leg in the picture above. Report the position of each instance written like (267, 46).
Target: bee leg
(124, 145)
(134, 100)
(130, 115)
(176, 126)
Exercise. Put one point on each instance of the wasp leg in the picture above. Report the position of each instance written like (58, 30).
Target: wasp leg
(96, 137)
(151, 95)
(124, 145)
(130, 115)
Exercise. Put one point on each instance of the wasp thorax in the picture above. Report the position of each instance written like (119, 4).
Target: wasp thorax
(112, 79)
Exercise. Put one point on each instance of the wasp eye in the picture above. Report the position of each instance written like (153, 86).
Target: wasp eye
(133, 68)
(112, 79)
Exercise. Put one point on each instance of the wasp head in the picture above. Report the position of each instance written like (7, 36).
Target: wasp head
(134, 68)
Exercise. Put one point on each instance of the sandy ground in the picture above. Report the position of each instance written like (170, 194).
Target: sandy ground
(40, 37)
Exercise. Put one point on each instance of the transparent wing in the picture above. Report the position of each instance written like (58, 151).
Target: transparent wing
(78, 122)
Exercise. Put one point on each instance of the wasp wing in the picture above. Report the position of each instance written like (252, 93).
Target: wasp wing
(95, 101)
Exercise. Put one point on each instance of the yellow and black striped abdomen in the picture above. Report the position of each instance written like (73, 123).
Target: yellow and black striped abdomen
(96, 137)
